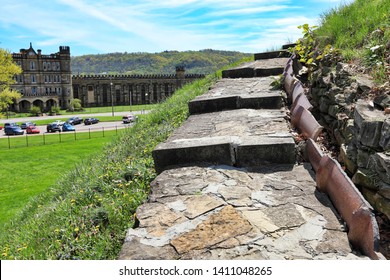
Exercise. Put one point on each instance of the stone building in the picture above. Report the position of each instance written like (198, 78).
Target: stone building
(46, 80)
(111, 90)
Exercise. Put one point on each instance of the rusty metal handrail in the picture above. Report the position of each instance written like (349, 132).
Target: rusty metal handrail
(363, 232)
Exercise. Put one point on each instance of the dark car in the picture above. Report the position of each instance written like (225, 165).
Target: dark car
(13, 130)
(26, 124)
(10, 124)
(74, 120)
(67, 127)
(88, 121)
(53, 127)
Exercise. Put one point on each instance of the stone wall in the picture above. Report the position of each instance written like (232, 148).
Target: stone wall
(355, 115)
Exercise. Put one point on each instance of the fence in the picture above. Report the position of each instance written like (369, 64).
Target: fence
(28, 140)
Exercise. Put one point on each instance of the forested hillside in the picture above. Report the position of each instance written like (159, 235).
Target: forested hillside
(195, 62)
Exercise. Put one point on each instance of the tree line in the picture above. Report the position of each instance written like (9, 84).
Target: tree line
(195, 62)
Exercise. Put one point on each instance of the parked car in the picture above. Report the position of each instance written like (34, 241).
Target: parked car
(1, 127)
(53, 127)
(32, 129)
(129, 119)
(13, 130)
(10, 124)
(58, 122)
(74, 120)
(88, 121)
(67, 127)
(24, 125)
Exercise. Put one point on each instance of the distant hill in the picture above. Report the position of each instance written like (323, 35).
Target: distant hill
(195, 62)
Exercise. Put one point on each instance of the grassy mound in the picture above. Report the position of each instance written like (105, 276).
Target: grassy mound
(361, 30)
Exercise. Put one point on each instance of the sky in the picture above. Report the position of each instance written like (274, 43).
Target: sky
(108, 26)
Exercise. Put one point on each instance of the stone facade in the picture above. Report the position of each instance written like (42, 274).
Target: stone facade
(46, 80)
(108, 90)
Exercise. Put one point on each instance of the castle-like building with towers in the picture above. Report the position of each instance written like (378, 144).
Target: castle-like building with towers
(46, 81)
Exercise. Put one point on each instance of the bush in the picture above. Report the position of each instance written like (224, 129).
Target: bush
(75, 105)
(55, 110)
(35, 111)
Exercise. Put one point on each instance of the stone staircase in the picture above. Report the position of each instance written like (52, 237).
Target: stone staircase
(229, 186)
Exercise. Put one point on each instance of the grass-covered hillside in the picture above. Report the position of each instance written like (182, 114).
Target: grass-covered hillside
(195, 62)
(361, 31)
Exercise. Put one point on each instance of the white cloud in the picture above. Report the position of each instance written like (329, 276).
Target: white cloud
(146, 25)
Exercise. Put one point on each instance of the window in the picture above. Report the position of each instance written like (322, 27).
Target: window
(33, 79)
(34, 90)
(32, 65)
(44, 66)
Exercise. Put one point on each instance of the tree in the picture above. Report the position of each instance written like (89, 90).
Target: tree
(75, 105)
(8, 70)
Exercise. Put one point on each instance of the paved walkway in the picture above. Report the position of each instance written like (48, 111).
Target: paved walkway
(84, 115)
(229, 186)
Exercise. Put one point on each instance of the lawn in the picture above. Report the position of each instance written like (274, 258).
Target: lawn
(28, 171)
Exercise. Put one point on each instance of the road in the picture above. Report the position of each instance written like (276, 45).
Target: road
(79, 128)
(32, 119)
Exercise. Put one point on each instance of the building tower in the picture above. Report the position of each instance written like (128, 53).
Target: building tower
(45, 81)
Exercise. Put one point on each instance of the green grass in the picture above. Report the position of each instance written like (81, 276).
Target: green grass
(357, 27)
(29, 171)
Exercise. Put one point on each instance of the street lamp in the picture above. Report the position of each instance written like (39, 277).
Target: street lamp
(112, 100)
(130, 99)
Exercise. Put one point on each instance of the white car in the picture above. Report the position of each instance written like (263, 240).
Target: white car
(58, 122)
(129, 119)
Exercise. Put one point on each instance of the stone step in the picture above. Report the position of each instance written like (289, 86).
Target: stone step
(243, 137)
(228, 94)
(258, 68)
(225, 213)
(273, 54)
(286, 46)
(232, 151)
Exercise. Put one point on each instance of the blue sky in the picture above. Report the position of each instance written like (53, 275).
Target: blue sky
(106, 26)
